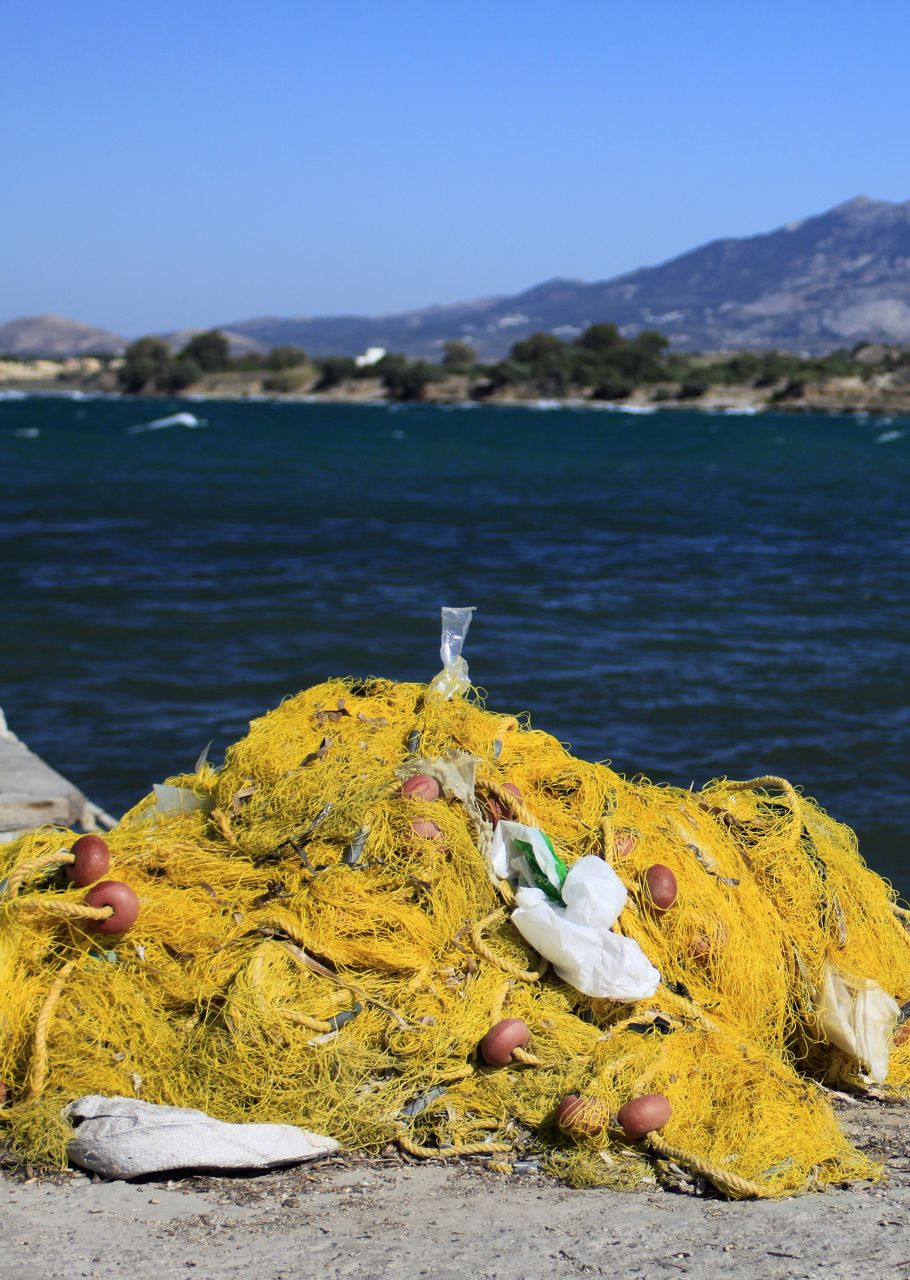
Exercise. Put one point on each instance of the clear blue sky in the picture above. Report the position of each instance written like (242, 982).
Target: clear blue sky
(182, 164)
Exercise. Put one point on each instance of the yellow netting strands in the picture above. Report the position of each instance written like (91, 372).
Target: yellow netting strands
(304, 955)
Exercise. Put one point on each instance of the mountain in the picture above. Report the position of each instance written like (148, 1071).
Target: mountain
(55, 336)
(240, 344)
(827, 281)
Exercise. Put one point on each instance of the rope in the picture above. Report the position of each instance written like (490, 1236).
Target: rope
(730, 1183)
(607, 831)
(771, 780)
(514, 970)
(37, 1076)
(509, 802)
(499, 1003)
(43, 862)
(61, 909)
(304, 1020)
(457, 1073)
(529, 1059)
(456, 1149)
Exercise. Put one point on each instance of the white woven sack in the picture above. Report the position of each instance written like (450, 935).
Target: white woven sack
(125, 1138)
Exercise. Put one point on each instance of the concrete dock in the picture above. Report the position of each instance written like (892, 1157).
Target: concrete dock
(32, 793)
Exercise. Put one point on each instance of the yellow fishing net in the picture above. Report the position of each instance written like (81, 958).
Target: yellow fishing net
(313, 947)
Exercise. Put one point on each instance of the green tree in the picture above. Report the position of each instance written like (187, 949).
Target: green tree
(210, 350)
(285, 358)
(651, 343)
(612, 389)
(507, 373)
(179, 374)
(405, 380)
(145, 362)
(458, 357)
(549, 360)
(333, 370)
(600, 338)
(538, 349)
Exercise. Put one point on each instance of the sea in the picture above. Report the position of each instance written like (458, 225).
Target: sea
(687, 595)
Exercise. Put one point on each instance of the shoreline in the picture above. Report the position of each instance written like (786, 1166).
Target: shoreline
(350, 1217)
(740, 400)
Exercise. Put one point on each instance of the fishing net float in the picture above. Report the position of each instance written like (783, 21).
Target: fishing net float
(394, 916)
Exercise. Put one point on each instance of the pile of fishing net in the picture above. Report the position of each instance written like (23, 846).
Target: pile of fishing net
(324, 940)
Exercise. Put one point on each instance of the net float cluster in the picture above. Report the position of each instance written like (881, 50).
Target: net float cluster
(91, 860)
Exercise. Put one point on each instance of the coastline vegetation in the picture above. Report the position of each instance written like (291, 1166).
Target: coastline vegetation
(599, 364)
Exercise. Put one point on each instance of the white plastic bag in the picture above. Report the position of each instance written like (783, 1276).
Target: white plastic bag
(573, 933)
(125, 1138)
(453, 679)
(857, 1016)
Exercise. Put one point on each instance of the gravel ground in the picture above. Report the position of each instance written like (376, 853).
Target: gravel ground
(350, 1217)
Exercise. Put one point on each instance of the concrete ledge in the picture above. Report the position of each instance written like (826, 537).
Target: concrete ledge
(33, 794)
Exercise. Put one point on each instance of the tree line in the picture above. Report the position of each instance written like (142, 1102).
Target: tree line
(600, 364)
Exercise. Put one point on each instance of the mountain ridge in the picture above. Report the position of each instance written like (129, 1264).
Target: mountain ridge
(53, 335)
(814, 284)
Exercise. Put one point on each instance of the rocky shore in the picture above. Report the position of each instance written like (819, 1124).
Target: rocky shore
(883, 390)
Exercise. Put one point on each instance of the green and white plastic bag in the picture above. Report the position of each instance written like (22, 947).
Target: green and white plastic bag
(567, 915)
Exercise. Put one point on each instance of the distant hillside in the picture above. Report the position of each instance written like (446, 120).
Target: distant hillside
(55, 336)
(827, 281)
(240, 344)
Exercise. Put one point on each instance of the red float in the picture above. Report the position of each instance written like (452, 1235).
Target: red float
(582, 1117)
(497, 1045)
(125, 904)
(662, 887)
(420, 786)
(92, 858)
(426, 829)
(643, 1115)
(623, 843)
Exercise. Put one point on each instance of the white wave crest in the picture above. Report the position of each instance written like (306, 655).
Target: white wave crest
(175, 420)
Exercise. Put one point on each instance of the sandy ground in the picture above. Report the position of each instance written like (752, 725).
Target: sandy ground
(347, 1217)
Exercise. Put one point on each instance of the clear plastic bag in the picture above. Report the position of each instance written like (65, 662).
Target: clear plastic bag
(453, 681)
(858, 1017)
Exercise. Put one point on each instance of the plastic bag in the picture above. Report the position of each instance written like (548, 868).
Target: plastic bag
(125, 1138)
(452, 681)
(857, 1016)
(526, 854)
(573, 929)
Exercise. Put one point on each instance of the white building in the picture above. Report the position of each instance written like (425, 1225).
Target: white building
(372, 355)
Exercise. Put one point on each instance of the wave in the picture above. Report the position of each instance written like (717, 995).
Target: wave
(887, 436)
(174, 420)
(27, 433)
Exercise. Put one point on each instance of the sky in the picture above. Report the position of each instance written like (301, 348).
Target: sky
(188, 164)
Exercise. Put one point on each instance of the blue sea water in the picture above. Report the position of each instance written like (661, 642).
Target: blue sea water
(684, 594)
